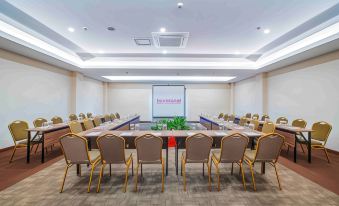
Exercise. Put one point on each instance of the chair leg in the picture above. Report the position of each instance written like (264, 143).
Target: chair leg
(209, 176)
(232, 169)
(110, 170)
(328, 159)
(136, 178)
(14, 149)
(276, 172)
(64, 179)
(218, 175)
(36, 148)
(100, 176)
(126, 175)
(132, 167)
(252, 173)
(302, 148)
(243, 176)
(162, 176)
(183, 166)
(90, 177)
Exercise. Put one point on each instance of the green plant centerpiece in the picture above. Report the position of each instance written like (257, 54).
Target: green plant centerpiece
(177, 123)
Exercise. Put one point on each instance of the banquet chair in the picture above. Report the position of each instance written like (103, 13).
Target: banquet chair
(73, 117)
(232, 151)
(97, 121)
(88, 124)
(282, 119)
(198, 147)
(268, 128)
(57, 120)
(112, 151)
(75, 150)
(75, 127)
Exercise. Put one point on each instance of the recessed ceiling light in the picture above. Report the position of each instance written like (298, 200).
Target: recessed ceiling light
(71, 29)
(100, 52)
(171, 78)
(180, 5)
(236, 52)
(164, 51)
(267, 31)
(85, 28)
(162, 29)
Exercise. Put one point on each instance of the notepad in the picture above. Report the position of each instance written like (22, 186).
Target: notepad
(156, 133)
(250, 133)
(220, 133)
(191, 133)
(126, 134)
(94, 134)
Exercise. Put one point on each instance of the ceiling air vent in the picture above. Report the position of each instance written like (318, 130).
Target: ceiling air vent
(170, 39)
(143, 41)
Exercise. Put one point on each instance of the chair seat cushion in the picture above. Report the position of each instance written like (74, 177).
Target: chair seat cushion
(317, 142)
(193, 161)
(250, 154)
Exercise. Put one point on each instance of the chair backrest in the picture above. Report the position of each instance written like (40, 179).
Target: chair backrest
(57, 120)
(39, 121)
(226, 117)
(88, 124)
(233, 148)
(255, 122)
(117, 115)
(282, 119)
(243, 121)
(198, 147)
(221, 115)
(75, 149)
(97, 121)
(149, 148)
(107, 118)
(255, 116)
(73, 117)
(321, 131)
(112, 149)
(75, 127)
(231, 118)
(265, 116)
(89, 115)
(269, 147)
(112, 116)
(82, 115)
(268, 127)
(248, 115)
(299, 123)
(18, 130)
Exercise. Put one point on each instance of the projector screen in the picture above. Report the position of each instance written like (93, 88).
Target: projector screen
(168, 101)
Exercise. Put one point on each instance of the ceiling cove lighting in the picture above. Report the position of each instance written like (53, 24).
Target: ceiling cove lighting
(171, 78)
(164, 51)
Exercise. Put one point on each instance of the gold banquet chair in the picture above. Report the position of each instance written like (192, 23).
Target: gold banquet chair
(248, 115)
(268, 128)
(97, 121)
(107, 118)
(300, 137)
(264, 117)
(232, 151)
(282, 119)
(255, 123)
(221, 115)
(226, 117)
(243, 121)
(73, 117)
(88, 124)
(112, 151)
(112, 116)
(89, 115)
(82, 116)
(75, 150)
(255, 116)
(38, 123)
(75, 127)
(268, 150)
(198, 148)
(149, 151)
(231, 118)
(57, 120)
(319, 135)
(19, 133)
(117, 115)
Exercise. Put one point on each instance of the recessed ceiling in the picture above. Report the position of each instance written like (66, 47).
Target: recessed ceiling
(238, 37)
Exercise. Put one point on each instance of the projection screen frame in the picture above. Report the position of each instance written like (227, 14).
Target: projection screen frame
(157, 85)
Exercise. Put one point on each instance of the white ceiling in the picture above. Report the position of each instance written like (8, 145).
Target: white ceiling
(220, 31)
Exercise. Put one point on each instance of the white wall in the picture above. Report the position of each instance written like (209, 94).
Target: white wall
(31, 91)
(307, 90)
(311, 93)
(248, 95)
(137, 98)
(89, 95)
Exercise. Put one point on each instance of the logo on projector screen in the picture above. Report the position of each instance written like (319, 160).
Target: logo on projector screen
(169, 101)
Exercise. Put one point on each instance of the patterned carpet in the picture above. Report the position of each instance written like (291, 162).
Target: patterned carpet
(43, 187)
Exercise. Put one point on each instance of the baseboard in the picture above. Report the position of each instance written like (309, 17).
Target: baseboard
(333, 151)
(6, 148)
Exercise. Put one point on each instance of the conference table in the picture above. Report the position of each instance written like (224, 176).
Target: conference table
(52, 133)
